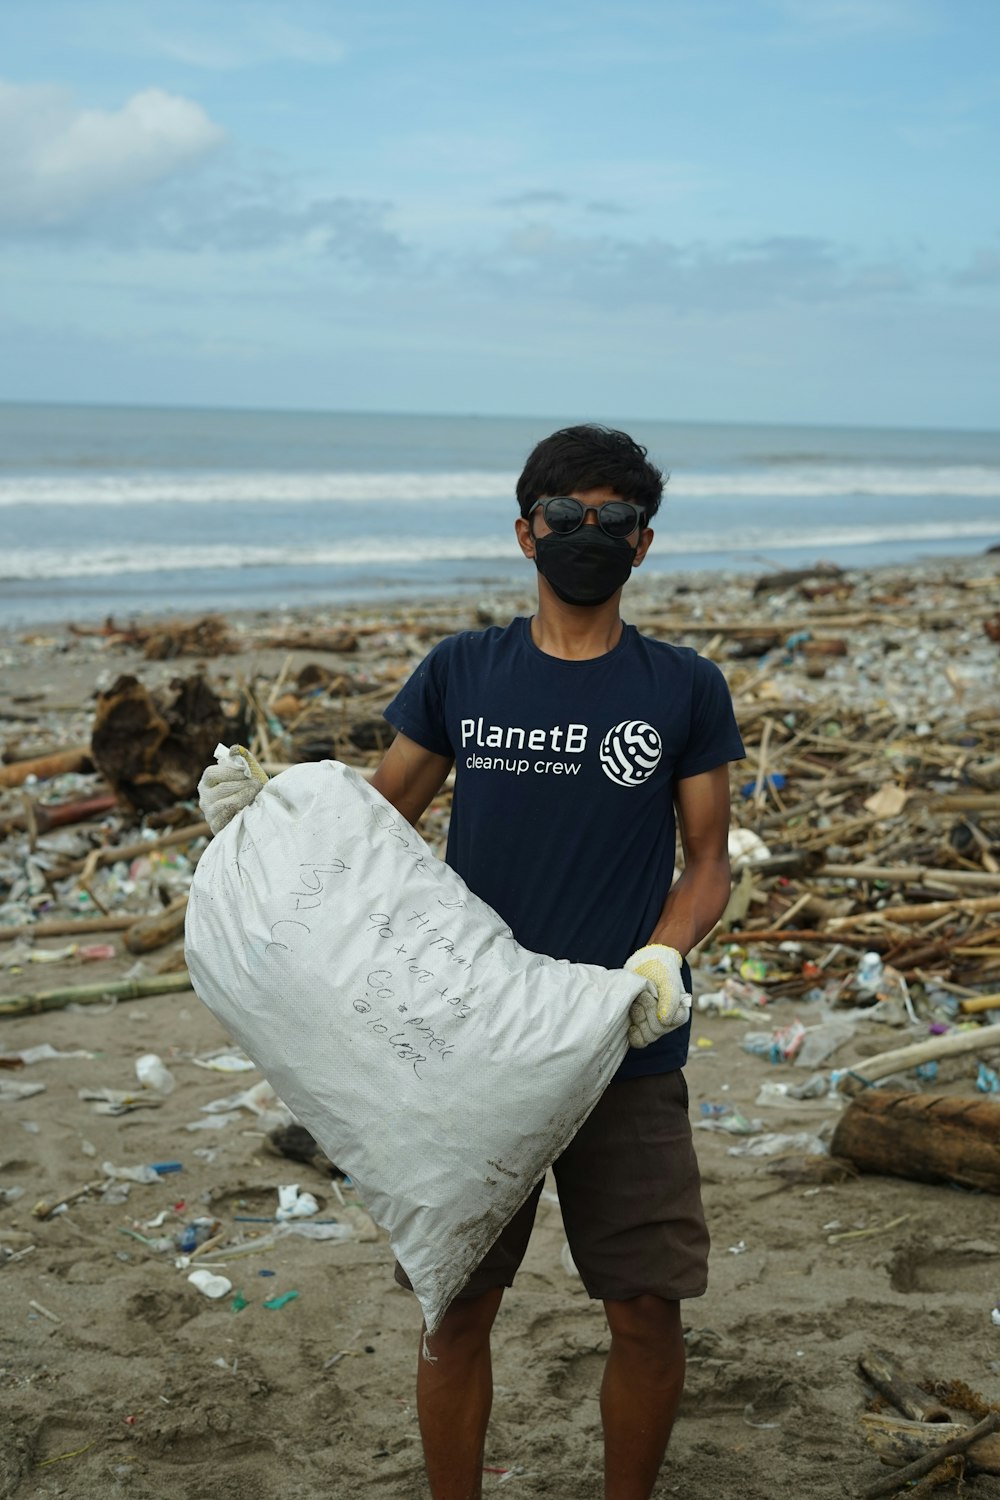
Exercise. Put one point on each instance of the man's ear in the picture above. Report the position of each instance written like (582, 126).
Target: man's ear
(525, 539)
(645, 541)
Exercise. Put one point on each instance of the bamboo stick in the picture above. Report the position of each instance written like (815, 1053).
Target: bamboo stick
(925, 911)
(908, 874)
(980, 1002)
(901, 1058)
(70, 927)
(93, 994)
(114, 852)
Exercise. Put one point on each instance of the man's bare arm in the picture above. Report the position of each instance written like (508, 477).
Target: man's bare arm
(698, 898)
(410, 776)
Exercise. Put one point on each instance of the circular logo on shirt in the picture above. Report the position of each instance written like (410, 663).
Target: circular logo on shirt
(630, 752)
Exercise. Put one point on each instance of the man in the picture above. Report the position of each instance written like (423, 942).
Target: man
(574, 738)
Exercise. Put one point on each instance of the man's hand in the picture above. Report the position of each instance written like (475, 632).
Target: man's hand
(652, 1016)
(230, 786)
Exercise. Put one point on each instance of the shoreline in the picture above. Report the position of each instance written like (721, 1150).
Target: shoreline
(28, 603)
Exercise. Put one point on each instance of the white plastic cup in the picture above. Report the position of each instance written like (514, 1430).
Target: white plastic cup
(153, 1073)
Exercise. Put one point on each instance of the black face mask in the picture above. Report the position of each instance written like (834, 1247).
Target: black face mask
(585, 567)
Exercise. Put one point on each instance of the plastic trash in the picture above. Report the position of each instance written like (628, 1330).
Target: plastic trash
(987, 1080)
(190, 1236)
(130, 1174)
(292, 1204)
(800, 1142)
(11, 1089)
(734, 1122)
(869, 974)
(776, 782)
(273, 1304)
(226, 1062)
(746, 846)
(209, 1284)
(153, 1073)
(821, 1041)
(780, 1045)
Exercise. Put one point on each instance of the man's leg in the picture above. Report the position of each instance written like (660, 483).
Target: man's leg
(643, 1381)
(631, 1203)
(454, 1396)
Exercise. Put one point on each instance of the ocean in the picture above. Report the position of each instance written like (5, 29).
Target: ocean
(128, 510)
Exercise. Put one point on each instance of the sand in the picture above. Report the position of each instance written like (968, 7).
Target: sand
(138, 1385)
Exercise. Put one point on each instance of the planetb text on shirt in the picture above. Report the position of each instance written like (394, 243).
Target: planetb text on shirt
(629, 752)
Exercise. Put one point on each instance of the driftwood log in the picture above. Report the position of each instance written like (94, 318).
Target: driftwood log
(906, 1397)
(921, 1446)
(925, 1137)
(162, 927)
(152, 747)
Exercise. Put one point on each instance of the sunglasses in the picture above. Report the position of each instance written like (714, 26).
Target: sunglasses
(565, 514)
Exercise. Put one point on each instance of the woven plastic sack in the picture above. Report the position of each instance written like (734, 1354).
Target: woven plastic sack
(432, 1057)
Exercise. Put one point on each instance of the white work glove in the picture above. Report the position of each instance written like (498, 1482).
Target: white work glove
(229, 786)
(653, 1015)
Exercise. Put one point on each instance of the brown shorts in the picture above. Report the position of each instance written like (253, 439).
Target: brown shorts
(630, 1196)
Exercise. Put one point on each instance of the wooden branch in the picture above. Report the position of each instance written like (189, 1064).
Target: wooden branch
(904, 1395)
(46, 766)
(894, 1482)
(877, 942)
(40, 817)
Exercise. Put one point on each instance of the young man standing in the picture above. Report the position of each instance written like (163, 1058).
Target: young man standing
(574, 740)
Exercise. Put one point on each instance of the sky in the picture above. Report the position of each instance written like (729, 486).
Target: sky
(714, 210)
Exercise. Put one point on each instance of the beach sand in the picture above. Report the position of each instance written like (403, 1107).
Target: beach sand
(138, 1385)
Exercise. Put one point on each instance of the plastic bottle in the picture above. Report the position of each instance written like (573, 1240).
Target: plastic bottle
(869, 975)
(190, 1236)
(153, 1073)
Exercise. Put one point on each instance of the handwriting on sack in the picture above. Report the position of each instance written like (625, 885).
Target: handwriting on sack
(314, 879)
(405, 1037)
(413, 945)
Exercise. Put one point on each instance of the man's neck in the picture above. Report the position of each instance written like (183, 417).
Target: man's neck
(573, 632)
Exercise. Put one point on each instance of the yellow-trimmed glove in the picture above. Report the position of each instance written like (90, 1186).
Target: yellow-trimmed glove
(229, 786)
(652, 1016)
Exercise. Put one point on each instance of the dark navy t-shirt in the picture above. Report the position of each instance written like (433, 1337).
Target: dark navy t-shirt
(563, 813)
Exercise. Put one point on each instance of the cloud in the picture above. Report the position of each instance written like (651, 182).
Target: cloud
(257, 37)
(608, 271)
(534, 198)
(819, 22)
(983, 269)
(239, 221)
(62, 163)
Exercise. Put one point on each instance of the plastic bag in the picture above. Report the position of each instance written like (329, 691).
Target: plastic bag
(432, 1057)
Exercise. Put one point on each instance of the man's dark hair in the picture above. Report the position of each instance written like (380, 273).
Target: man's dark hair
(590, 457)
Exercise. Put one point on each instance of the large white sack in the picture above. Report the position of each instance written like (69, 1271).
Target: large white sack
(433, 1058)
